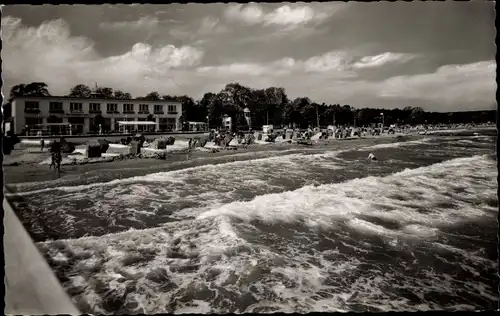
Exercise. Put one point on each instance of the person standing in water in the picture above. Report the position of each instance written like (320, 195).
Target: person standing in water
(58, 159)
(371, 156)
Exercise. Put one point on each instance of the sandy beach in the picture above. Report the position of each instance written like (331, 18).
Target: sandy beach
(30, 169)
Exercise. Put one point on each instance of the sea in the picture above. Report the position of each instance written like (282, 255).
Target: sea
(301, 230)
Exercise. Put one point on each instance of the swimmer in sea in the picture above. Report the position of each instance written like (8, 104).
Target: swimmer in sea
(371, 156)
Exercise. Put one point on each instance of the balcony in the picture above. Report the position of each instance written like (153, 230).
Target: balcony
(95, 111)
(32, 110)
(56, 111)
(76, 112)
(172, 112)
(128, 112)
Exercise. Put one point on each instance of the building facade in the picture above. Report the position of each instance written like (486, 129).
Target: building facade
(87, 115)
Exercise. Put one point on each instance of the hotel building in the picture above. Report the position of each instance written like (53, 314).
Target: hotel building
(83, 115)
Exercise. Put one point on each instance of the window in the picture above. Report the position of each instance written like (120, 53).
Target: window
(31, 107)
(112, 107)
(167, 124)
(158, 108)
(75, 107)
(56, 107)
(128, 108)
(141, 128)
(95, 107)
(172, 108)
(143, 108)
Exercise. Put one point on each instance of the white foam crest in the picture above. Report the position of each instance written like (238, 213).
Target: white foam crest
(395, 197)
(399, 144)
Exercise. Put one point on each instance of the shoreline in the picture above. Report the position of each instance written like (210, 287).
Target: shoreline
(32, 173)
(35, 172)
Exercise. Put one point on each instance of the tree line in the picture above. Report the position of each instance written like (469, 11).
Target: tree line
(270, 106)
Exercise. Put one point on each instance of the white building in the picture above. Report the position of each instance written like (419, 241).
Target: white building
(80, 113)
(227, 122)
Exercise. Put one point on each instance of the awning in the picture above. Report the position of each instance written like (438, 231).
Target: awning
(136, 123)
(53, 124)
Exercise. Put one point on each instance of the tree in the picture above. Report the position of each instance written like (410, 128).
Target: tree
(122, 95)
(212, 106)
(152, 96)
(37, 89)
(308, 115)
(240, 122)
(17, 91)
(80, 91)
(105, 92)
(417, 115)
(31, 89)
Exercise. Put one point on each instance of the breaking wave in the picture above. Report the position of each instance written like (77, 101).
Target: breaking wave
(407, 241)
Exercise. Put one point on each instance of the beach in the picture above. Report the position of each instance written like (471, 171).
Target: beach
(281, 228)
(24, 164)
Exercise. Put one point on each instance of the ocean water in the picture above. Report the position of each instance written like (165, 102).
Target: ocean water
(296, 231)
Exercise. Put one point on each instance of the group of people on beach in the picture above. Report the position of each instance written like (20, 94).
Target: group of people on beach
(55, 154)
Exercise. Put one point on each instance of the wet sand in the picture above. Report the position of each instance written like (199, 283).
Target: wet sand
(31, 171)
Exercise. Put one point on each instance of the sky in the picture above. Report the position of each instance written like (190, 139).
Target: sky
(439, 56)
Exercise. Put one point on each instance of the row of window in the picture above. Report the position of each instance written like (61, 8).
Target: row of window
(95, 107)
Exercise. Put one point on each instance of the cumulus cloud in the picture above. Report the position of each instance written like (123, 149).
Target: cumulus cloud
(284, 16)
(331, 78)
(329, 62)
(468, 83)
(333, 63)
(383, 59)
(50, 54)
(250, 14)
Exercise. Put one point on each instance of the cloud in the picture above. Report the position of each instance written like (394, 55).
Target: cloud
(469, 83)
(50, 54)
(250, 14)
(211, 25)
(383, 59)
(144, 23)
(283, 16)
(331, 78)
(333, 63)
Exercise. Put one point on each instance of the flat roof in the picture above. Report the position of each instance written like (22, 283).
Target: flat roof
(135, 100)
